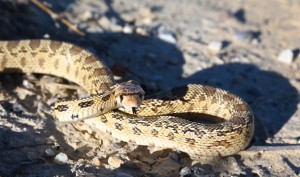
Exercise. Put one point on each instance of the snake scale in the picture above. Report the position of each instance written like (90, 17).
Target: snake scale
(156, 122)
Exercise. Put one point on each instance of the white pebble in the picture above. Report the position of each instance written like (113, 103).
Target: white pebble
(61, 158)
(215, 46)
(46, 36)
(286, 56)
(127, 29)
(167, 37)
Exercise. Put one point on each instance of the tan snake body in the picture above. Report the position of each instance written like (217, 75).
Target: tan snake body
(155, 123)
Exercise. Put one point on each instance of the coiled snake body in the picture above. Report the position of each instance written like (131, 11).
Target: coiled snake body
(155, 122)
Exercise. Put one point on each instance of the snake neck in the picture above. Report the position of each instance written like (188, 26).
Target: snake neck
(79, 109)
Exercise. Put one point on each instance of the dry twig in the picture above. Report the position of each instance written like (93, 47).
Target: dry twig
(54, 16)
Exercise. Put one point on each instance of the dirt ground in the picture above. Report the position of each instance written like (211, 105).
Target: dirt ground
(250, 48)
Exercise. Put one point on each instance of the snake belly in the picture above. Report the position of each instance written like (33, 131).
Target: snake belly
(157, 122)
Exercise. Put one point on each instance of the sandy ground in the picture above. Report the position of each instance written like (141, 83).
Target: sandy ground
(234, 45)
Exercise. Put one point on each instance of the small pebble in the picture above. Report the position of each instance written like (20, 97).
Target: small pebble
(96, 161)
(18, 108)
(52, 101)
(128, 29)
(116, 28)
(166, 35)
(286, 56)
(61, 158)
(46, 36)
(115, 162)
(86, 15)
(244, 173)
(232, 161)
(3, 112)
(49, 152)
(243, 36)
(199, 171)
(185, 172)
(141, 31)
(28, 85)
(215, 46)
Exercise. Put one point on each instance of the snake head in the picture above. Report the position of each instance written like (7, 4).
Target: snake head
(129, 95)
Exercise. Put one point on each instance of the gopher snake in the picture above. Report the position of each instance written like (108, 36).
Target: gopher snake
(154, 123)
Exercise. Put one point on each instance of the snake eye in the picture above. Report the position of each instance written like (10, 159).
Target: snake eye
(121, 98)
(141, 96)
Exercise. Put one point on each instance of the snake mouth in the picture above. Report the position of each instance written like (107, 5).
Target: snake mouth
(134, 110)
(130, 102)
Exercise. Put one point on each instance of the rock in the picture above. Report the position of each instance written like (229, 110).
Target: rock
(96, 161)
(128, 29)
(18, 108)
(199, 171)
(233, 163)
(185, 172)
(116, 28)
(243, 36)
(61, 158)
(115, 162)
(141, 31)
(49, 152)
(28, 85)
(215, 46)
(286, 56)
(166, 35)
(3, 112)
